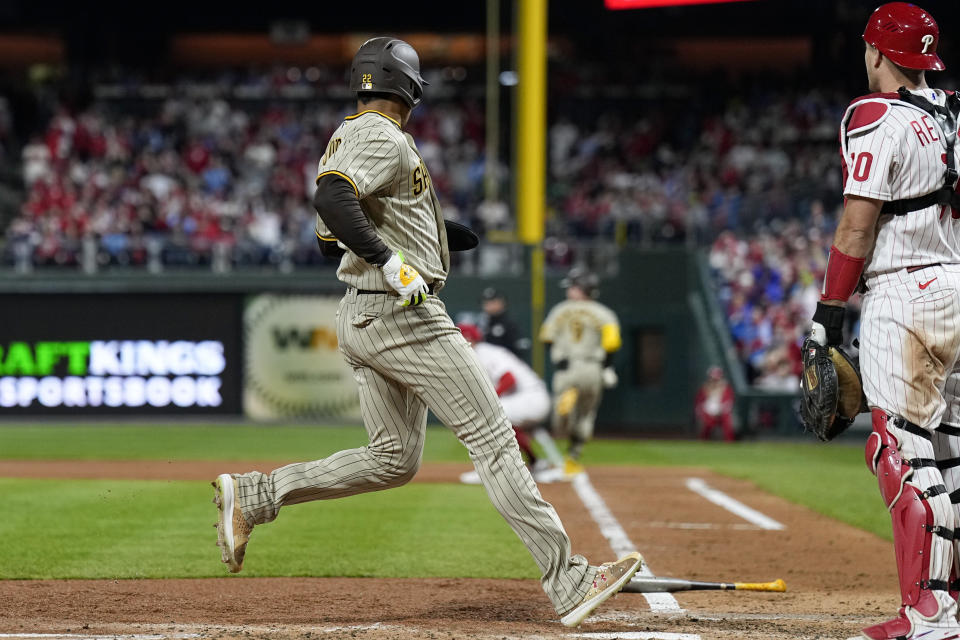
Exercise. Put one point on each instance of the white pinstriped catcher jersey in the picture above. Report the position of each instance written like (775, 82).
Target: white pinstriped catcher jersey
(893, 150)
(393, 185)
(498, 361)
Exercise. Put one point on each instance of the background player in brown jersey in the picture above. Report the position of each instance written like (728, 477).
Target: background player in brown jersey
(583, 335)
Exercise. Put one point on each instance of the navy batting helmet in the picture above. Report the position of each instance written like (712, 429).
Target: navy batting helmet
(388, 65)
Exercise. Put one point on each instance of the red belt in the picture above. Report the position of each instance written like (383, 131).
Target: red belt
(922, 266)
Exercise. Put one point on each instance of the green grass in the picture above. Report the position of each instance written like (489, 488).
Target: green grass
(168, 442)
(99, 528)
(150, 529)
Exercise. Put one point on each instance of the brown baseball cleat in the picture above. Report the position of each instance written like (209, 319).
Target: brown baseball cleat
(610, 578)
(233, 532)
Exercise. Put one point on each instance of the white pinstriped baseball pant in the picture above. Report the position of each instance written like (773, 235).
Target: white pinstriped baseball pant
(406, 360)
(910, 361)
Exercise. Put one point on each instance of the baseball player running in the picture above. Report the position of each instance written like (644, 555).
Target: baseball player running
(525, 400)
(900, 232)
(583, 335)
(375, 199)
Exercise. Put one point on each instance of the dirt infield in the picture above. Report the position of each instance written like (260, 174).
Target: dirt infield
(839, 578)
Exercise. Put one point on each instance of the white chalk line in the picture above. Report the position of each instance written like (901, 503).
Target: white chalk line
(733, 505)
(619, 541)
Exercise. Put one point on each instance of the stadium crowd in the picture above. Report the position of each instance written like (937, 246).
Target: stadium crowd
(678, 172)
(186, 179)
(768, 285)
(191, 178)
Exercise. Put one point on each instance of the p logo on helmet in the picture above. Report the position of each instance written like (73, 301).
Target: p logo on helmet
(906, 34)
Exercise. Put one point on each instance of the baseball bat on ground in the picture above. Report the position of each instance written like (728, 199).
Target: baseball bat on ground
(657, 584)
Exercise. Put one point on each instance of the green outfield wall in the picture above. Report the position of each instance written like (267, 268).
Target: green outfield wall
(672, 331)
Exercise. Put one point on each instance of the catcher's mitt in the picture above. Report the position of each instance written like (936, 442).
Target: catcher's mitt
(832, 390)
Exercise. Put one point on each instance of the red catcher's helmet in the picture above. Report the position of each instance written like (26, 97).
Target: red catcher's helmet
(471, 332)
(906, 34)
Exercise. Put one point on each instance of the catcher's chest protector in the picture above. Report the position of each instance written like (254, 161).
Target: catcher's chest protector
(868, 113)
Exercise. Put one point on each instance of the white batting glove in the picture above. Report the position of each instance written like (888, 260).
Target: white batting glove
(609, 377)
(405, 280)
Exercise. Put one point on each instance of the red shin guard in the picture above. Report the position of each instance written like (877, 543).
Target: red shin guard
(911, 515)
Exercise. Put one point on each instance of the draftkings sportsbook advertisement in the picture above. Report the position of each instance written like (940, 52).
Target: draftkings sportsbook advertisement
(120, 354)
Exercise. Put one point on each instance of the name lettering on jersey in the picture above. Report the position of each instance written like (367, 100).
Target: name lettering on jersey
(421, 179)
(926, 121)
(331, 149)
(927, 40)
(925, 137)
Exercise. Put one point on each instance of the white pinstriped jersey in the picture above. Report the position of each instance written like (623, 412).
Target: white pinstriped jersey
(498, 361)
(893, 150)
(383, 165)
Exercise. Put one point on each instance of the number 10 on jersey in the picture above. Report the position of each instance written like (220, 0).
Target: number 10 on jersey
(861, 165)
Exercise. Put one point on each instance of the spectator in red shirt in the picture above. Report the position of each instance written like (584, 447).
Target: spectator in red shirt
(714, 406)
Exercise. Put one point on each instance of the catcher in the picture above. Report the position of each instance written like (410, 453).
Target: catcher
(899, 236)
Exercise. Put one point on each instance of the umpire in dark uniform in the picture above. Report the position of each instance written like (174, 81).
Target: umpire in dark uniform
(498, 327)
